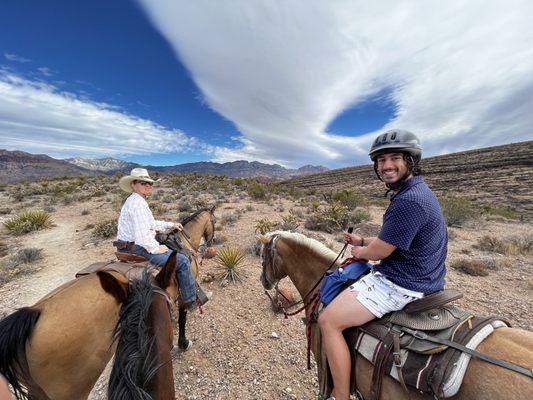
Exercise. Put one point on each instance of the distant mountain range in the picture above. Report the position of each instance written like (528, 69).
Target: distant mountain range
(18, 165)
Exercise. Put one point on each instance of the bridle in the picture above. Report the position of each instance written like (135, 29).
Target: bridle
(271, 254)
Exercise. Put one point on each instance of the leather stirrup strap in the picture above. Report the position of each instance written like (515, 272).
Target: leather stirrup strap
(474, 353)
(397, 359)
(379, 366)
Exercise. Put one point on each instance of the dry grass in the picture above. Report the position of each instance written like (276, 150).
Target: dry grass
(472, 267)
(515, 245)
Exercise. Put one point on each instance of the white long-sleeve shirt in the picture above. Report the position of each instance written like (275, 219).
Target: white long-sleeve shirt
(137, 224)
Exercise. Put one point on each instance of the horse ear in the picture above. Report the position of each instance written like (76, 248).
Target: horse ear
(264, 239)
(165, 276)
(116, 287)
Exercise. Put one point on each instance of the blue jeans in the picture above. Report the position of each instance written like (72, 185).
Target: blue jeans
(183, 270)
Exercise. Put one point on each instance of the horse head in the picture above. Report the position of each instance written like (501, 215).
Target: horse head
(271, 262)
(209, 231)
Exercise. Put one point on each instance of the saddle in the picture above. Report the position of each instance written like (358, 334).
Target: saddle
(413, 345)
(130, 270)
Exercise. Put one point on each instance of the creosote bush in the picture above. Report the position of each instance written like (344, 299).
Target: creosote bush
(28, 221)
(472, 267)
(19, 264)
(289, 222)
(228, 259)
(105, 229)
(457, 210)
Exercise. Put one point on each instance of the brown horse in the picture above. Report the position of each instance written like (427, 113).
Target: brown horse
(142, 367)
(305, 260)
(199, 225)
(57, 348)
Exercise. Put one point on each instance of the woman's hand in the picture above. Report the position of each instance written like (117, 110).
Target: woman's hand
(352, 238)
(178, 226)
(162, 249)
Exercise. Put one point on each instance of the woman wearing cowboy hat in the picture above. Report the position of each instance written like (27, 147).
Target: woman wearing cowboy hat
(137, 228)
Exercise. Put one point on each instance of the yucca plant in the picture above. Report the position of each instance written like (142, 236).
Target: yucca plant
(228, 259)
(28, 221)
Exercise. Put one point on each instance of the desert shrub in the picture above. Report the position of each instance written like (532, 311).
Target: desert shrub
(264, 225)
(19, 264)
(348, 198)
(49, 209)
(157, 208)
(331, 218)
(5, 210)
(289, 222)
(228, 260)
(28, 221)
(257, 191)
(359, 215)
(508, 246)
(229, 218)
(506, 212)
(85, 212)
(105, 229)
(457, 210)
(249, 207)
(200, 202)
(3, 249)
(471, 267)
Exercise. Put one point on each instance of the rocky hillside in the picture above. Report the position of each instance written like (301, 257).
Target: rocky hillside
(107, 164)
(241, 169)
(18, 165)
(499, 176)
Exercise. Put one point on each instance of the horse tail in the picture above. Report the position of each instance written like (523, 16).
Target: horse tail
(135, 362)
(15, 331)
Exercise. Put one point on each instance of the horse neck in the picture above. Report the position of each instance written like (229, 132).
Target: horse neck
(161, 386)
(303, 267)
(196, 228)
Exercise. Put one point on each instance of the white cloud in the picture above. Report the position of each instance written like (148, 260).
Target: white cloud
(16, 58)
(45, 71)
(36, 117)
(461, 73)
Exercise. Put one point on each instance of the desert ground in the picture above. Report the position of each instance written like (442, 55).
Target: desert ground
(242, 349)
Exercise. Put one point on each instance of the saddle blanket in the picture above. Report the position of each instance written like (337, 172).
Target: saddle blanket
(416, 368)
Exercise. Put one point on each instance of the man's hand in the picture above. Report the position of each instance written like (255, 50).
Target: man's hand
(356, 252)
(178, 226)
(352, 238)
(162, 249)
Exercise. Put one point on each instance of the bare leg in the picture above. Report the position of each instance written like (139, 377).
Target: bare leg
(343, 312)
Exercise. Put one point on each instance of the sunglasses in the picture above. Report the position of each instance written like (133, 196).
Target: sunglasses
(145, 183)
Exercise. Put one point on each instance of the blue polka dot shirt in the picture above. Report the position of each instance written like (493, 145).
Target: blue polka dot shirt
(414, 224)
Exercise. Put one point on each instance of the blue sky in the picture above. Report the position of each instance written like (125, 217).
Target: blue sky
(302, 82)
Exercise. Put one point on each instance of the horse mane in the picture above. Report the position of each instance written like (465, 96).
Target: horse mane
(312, 245)
(193, 216)
(136, 356)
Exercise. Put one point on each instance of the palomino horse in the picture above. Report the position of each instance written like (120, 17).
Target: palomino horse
(305, 260)
(58, 347)
(142, 367)
(199, 225)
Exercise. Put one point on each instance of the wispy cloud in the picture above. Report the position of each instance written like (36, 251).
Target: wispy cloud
(45, 71)
(461, 73)
(16, 58)
(36, 117)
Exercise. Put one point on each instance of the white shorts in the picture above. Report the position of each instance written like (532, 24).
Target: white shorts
(380, 296)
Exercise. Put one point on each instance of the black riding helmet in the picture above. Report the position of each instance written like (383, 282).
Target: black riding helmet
(401, 141)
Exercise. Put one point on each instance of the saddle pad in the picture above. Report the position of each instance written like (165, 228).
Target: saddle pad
(129, 270)
(416, 368)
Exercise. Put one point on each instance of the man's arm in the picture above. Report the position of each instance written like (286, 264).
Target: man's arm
(376, 250)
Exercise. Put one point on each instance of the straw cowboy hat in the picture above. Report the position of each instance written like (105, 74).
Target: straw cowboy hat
(136, 174)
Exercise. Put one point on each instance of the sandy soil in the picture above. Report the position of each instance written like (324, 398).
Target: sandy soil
(241, 348)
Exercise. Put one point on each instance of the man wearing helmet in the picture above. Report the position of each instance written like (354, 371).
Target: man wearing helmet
(411, 249)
